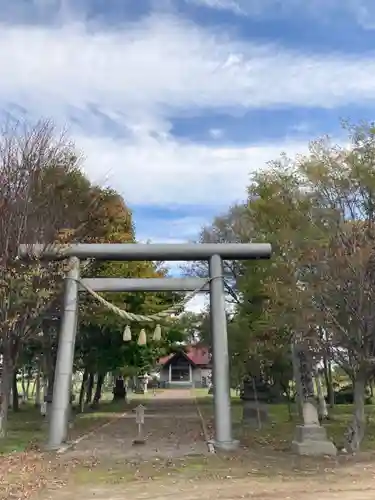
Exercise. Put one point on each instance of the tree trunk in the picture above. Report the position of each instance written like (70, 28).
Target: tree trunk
(16, 401)
(329, 383)
(90, 388)
(297, 380)
(290, 412)
(6, 375)
(49, 362)
(81, 401)
(44, 394)
(23, 385)
(48, 368)
(356, 429)
(99, 386)
(371, 387)
(28, 382)
(332, 389)
(50, 381)
(37, 387)
(14, 353)
(322, 405)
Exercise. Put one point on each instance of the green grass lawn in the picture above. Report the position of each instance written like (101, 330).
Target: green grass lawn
(27, 427)
(24, 427)
(278, 433)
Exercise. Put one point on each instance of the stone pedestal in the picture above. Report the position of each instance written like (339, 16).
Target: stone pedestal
(312, 440)
(224, 445)
(141, 385)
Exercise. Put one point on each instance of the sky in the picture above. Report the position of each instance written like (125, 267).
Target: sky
(175, 102)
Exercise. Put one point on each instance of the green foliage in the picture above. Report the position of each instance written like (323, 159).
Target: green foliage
(74, 210)
(318, 213)
(189, 328)
(100, 346)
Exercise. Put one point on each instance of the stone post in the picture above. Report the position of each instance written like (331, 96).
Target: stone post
(310, 437)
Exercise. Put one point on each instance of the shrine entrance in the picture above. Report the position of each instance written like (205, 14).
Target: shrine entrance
(213, 253)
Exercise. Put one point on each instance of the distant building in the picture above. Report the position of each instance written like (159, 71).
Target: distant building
(191, 368)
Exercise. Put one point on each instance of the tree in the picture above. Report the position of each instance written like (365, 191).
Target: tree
(318, 211)
(245, 295)
(188, 326)
(234, 226)
(44, 198)
(100, 347)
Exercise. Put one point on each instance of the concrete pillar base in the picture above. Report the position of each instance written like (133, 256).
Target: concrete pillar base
(53, 447)
(312, 440)
(225, 445)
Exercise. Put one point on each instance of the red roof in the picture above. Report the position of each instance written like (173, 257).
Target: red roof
(198, 355)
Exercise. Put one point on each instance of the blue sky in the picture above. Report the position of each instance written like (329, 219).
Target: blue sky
(175, 102)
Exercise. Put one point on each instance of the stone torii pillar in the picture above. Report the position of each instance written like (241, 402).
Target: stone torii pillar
(214, 253)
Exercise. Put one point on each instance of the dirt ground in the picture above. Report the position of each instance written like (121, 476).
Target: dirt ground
(228, 490)
(175, 462)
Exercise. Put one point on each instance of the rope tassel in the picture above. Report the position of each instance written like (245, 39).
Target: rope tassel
(127, 335)
(157, 333)
(142, 339)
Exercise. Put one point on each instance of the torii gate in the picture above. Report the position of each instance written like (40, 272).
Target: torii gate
(214, 253)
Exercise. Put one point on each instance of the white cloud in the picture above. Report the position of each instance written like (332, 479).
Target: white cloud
(201, 301)
(197, 303)
(143, 74)
(166, 172)
(363, 11)
(216, 133)
(232, 5)
(160, 66)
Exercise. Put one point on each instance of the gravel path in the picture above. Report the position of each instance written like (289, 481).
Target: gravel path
(172, 429)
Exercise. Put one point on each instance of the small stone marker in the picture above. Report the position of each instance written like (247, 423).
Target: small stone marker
(43, 408)
(140, 414)
(140, 420)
